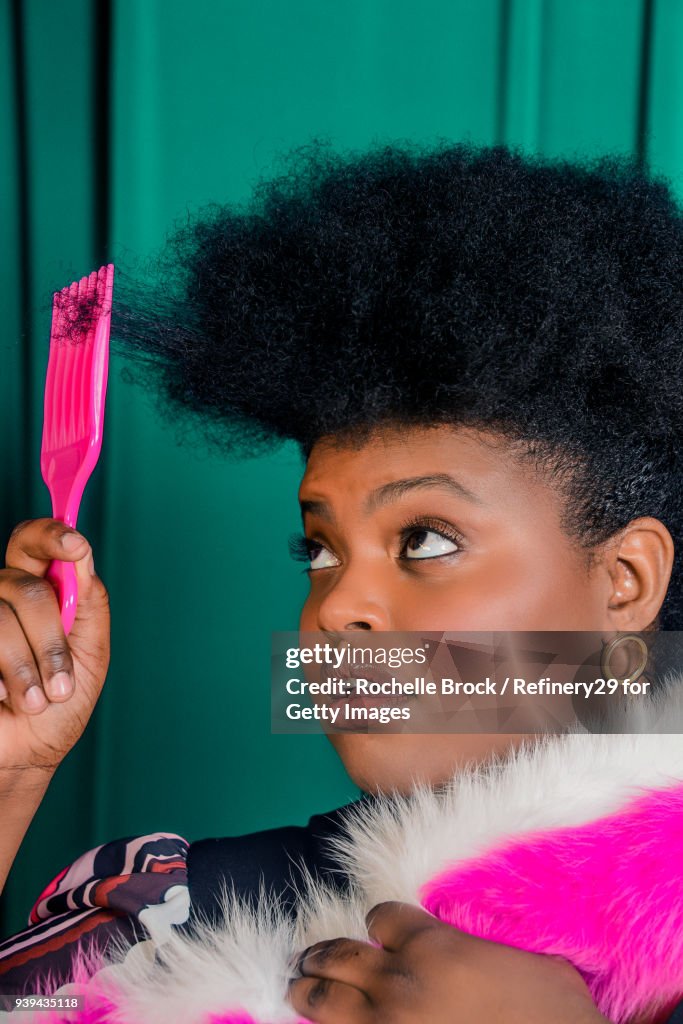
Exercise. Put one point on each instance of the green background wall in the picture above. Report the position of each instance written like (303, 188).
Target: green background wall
(117, 117)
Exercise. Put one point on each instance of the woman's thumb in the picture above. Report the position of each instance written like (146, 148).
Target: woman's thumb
(92, 607)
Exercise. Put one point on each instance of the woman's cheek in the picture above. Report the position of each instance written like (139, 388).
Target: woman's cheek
(538, 588)
(499, 594)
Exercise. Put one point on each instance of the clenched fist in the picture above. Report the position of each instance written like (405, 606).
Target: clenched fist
(49, 683)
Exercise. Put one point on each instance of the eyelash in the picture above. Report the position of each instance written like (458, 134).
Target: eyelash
(301, 547)
(435, 526)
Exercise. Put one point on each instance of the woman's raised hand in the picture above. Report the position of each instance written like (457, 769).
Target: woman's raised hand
(49, 683)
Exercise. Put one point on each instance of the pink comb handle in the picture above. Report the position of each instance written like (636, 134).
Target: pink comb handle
(75, 391)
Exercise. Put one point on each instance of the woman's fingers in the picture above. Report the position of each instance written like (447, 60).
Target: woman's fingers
(343, 960)
(393, 924)
(35, 660)
(33, 545)
(36, 664)
(49, 683)
(22, 684)
(329, 1002)
(36, 542)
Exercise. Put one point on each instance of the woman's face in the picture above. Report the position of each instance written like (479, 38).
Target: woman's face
(437, 528)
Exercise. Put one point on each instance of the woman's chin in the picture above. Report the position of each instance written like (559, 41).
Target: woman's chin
(397, 763)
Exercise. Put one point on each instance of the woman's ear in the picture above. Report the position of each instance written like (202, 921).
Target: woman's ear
(639, 560)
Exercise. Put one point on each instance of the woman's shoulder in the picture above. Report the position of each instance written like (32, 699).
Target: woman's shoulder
(275, 858)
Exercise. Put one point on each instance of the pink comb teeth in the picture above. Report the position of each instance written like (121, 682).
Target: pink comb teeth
(75, 390)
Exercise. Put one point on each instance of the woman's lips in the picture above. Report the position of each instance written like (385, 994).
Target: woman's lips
(345, 703)
(355, 699)
(373, 673)
(358, 698)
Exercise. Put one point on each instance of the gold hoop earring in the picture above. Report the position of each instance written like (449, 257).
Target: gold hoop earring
(609, 649)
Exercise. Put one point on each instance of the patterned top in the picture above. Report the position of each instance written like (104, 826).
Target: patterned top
(129, 889)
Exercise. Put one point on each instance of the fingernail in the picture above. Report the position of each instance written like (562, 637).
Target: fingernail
(91, 566)
(34, 698)
(3, 691)
(300, 959)
(72, 541)
(59, 686)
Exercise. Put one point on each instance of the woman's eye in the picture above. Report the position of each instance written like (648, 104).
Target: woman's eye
(303, 549)
(320, 557)
(424, 543)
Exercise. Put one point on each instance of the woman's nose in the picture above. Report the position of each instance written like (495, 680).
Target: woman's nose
(355, 602)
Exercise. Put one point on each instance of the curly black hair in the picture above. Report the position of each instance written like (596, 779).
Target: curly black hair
(541, 299)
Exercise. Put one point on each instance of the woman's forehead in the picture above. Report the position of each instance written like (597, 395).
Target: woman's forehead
(476, 466)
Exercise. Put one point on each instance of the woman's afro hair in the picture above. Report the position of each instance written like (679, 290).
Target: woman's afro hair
(540, 299)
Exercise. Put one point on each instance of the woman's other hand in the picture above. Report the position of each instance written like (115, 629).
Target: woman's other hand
(424, 970)
(49, 683)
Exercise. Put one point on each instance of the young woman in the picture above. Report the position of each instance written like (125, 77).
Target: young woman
(479, 354)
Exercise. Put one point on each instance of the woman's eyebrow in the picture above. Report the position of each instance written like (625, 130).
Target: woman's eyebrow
(316, 507)
(394, 490)
(397, 488)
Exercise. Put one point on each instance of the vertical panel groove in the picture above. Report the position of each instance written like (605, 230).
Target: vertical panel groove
(503, 70)
(24, 254)
(102, 128)
(101, 74)
(644, 82)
